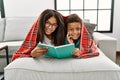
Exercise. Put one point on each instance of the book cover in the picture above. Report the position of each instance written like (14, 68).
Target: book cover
(62, 51)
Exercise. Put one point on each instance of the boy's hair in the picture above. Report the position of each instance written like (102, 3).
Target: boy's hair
(72, 18)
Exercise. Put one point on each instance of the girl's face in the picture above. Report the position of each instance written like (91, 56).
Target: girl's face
(74, 30)
(50, 26)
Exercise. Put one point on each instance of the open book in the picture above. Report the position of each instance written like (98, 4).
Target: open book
(62, 51)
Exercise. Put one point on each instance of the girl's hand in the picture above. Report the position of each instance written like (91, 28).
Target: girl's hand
(69, 37)
(76, 52)
(38, 51)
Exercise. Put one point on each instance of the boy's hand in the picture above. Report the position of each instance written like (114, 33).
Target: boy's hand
(76, 52)
(69, 37)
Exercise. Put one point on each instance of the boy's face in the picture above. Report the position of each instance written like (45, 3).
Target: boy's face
(74, 29)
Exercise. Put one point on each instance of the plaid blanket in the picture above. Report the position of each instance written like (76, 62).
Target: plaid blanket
(88, 47)
(29, 43)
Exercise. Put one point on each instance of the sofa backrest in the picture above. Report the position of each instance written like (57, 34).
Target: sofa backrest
(17, 28)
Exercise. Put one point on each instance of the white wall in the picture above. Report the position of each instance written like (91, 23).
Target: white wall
(28, 8)
(116, 23)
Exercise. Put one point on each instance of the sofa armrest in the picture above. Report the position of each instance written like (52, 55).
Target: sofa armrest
(107, 44)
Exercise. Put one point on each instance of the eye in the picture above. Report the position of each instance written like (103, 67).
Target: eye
(70, 29)
(78, 28)
(55, 25)
(47, 23)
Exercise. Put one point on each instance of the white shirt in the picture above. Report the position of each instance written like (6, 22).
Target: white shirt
(47, 41)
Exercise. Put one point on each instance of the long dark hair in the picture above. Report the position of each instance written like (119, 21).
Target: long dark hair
(59, 34)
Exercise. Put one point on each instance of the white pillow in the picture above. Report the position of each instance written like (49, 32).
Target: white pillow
(17, 28)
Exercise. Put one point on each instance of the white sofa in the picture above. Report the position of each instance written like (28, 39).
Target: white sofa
(14, 30)
(12, 33)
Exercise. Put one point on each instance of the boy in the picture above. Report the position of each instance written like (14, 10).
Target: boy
(77, 33)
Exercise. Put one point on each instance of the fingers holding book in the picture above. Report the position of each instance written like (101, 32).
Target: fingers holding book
(38, 51)
(76, 52)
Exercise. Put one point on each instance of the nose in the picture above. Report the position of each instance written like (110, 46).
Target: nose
(75, 31)
(50, 26)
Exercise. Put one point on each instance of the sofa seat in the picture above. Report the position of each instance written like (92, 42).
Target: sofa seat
(47, 68)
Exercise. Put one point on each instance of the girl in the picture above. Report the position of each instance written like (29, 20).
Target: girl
(78, 34)
(48, 29)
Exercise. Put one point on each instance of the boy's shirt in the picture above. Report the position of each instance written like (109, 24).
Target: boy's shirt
(77, 44)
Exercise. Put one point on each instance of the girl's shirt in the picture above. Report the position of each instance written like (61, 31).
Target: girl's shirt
(47, 41)
(77, 44)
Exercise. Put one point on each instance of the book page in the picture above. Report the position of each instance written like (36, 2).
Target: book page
(62, 51)
(65, 51)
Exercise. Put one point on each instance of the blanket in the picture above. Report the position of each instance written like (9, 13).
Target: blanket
(29, 43)
(88, 48)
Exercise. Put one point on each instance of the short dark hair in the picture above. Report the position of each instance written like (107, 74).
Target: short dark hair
(59, 34)
(72, 18)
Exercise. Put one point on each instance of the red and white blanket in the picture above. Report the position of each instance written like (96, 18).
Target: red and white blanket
(88, 48)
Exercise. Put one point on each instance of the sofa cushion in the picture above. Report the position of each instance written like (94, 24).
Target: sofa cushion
(2, 26)
(90, 27)
(17, 28)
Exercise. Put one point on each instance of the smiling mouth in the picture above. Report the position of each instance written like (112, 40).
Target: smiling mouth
(75, 36)
(48, 31)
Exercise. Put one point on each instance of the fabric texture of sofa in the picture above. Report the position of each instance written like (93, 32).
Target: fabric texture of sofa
(14, 30)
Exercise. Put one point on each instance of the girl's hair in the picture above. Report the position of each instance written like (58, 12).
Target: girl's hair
(59, 34)
(72, 18)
